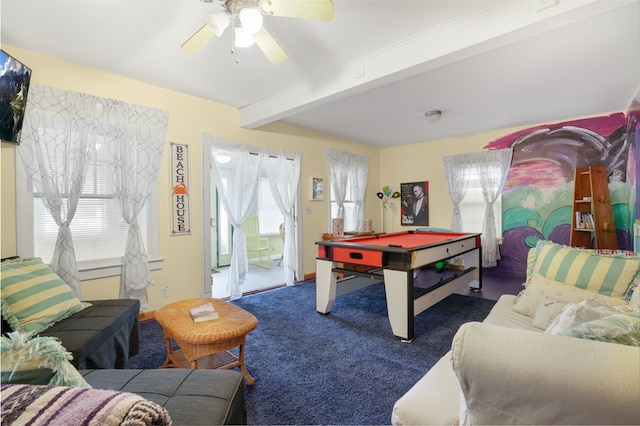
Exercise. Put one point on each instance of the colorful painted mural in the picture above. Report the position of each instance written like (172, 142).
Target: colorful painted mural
(537, 199)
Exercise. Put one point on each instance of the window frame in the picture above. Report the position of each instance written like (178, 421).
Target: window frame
(346, 203)
(88, 269)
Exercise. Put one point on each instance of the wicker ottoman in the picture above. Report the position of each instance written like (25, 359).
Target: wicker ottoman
(192, 397)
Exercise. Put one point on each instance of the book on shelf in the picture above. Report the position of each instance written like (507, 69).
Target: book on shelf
(584, 220)
(204, 312)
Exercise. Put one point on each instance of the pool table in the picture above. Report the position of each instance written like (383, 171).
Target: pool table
(394, 258)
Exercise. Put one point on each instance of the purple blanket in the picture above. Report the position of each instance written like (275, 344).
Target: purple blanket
(58, 405)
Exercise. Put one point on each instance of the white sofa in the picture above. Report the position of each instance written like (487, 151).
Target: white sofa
(507, 371)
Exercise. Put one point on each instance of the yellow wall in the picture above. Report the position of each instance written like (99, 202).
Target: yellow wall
(7, 201)
(189, 118)
(423, 162)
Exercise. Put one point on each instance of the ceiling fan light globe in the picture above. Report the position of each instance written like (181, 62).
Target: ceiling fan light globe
(243, 38)
(218, 21)
(251, 19)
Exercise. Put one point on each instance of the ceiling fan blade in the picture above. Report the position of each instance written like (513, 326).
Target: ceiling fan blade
(199, 39)
(306, 9)
(269, 47)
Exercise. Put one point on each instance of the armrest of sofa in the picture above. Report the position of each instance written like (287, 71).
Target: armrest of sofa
(511, 376)
(433, 400)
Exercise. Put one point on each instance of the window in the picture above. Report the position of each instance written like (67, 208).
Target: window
(349, 212)
(347, 182)
(473, 205)
(98, 229)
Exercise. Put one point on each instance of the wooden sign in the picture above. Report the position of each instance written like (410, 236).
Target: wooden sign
(180, 189)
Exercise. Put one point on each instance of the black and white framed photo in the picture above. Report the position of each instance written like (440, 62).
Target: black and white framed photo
(414, 204)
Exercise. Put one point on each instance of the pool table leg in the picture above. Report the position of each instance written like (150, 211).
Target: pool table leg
(325, 286)
(398, 286)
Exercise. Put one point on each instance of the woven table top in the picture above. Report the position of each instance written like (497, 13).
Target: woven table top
(233, 321)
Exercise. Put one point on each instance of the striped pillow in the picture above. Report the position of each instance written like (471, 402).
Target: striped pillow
(609, 275)
(623, 328)
(34, 297)
(38, 361)
(532, 255)
(633, 296)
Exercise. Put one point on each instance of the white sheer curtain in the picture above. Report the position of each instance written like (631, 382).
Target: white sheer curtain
(338, 163)
(493, 166)
(135, 137)
(348, 174)
(236, 172)
(284, 178)
(359, 173)
(59, 135)
(455, 172)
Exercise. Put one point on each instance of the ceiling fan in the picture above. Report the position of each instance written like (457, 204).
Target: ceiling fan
(245, 18)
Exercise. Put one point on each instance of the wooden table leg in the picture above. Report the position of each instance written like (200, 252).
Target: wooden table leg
(168, 361)
(248, 378)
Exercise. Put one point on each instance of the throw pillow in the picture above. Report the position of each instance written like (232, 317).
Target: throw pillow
(609, 275)
(34, 297)
(588, 310)
(532, 255)
(633, 296)
(546, 312)
(541, 288)
(37, 360)
(623, 328)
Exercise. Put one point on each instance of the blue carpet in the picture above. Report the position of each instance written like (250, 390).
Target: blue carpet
(341, 368)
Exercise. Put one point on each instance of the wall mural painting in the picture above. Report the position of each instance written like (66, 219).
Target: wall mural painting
(537, 199)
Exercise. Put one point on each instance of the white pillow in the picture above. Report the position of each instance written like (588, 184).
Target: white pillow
(540, 288)
(546, 312)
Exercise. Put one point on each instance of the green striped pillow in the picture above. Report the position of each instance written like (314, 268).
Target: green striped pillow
(532, 255)
(34, 297)
(609, 275)
(623, 328)
(38, 361)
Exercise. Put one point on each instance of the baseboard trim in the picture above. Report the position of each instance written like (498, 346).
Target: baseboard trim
(146, 316)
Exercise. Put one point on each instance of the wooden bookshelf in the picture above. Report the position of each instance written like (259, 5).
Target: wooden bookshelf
(592, 224)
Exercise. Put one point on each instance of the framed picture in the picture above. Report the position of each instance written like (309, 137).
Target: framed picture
(317, 189)
(414, 204)
(14, 87)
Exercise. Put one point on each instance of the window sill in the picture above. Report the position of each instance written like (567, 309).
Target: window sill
(108, 268)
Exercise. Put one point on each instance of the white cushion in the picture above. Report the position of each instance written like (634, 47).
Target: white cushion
(546, 288)
(547, 311)
(502, 314)
(434, 399)
(511, 376)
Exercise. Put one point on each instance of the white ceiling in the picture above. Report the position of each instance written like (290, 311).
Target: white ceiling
(370, 73)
